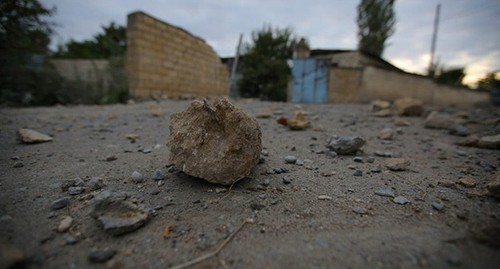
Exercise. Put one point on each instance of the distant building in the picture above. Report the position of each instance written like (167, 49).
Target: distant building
(349, 76)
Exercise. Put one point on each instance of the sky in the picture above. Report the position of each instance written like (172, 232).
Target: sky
(468, 33)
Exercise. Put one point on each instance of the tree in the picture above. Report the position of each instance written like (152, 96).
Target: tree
(376, 20)
(110, 43)
(24, 39)
(451, 77)
(265, 69)
(489, 82)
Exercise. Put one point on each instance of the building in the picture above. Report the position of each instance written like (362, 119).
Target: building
(349, 76)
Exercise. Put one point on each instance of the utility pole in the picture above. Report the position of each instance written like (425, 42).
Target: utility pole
(434, 39)
(233, 69)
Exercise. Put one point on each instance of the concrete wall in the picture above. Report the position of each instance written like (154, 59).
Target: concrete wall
(166, 60)
(91, 71)
(370, 83)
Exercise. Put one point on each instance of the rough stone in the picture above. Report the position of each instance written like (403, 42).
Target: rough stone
(408, 107)
(437, 120)
(117, 216)
(219, 142)
(494, 186)
(29, 136)
(299, 121)
(397, 164)
(358, 173)
(101, 256)
(345, 145)
(386, 134)
(468, 182)
(489, 142)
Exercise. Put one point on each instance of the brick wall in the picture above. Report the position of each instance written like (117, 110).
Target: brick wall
(163, 59)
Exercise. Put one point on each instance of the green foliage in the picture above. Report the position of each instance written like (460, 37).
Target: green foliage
(451, 77)
(25, 77)
(265, 70)
(376, 20)
(110, 43)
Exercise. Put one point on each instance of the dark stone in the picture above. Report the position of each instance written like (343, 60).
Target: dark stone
(59, 203)
(117, 216)
(287, 180)
(345, 145)
(358, 173)
(101, 256)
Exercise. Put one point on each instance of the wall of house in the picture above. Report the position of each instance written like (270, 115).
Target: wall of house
(370, 83)
(344, 85)
(166, 60)
(392, 85)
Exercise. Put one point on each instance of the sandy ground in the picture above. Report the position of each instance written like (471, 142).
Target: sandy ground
(292, 227)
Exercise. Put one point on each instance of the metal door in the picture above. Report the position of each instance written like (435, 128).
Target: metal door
(310, 81)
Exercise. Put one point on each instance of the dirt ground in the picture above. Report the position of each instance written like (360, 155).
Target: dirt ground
(322, 217)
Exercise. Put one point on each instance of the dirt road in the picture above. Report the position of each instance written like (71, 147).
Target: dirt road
(322, 214)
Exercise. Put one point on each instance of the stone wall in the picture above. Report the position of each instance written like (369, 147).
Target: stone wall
(163, 59)
(370, 83)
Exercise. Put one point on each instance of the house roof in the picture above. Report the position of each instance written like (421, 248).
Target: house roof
(381, 63)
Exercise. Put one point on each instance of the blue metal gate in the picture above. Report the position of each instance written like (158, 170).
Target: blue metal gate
(310, 81)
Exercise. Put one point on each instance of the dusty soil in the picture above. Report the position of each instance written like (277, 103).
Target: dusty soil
(292, 228)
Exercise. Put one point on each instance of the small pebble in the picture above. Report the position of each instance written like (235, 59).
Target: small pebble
(59, 203)
(65, 224)
(360, 210)
(401, 200)
(287, 180)
(69, 239)
(358, 159)
(437, 205)
(385, 192)
(95, 183)
(137, 177)
(324, 197)
(299, 162)
(370, 159)
(18, 164)
(111, 158)
(15, 158)
(358, 173)
(75, 190)
(101, 256)
(146, 151)
(331, 154)
(264, 153)
(159, 175)
(290, 159)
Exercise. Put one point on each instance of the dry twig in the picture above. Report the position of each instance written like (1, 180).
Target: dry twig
(213, 253)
